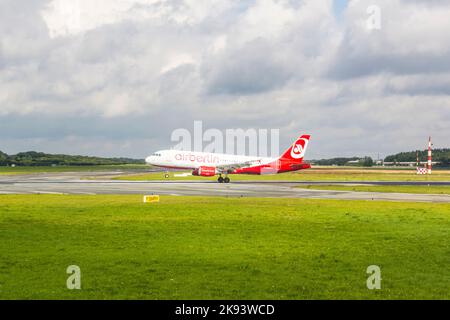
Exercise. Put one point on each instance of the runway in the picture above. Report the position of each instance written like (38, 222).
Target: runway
(72, 183)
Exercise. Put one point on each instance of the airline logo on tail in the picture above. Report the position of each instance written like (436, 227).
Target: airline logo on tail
(299, 148)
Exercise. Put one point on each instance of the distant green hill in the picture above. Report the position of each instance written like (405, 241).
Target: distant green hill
(354, 161)
(439, 155)
(33, 158)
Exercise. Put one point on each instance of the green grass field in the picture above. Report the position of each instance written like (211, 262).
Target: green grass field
(388, 189)
(318, 174)
(221, 248)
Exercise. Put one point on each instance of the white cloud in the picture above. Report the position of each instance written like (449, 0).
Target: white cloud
(146, 67)
(412, 39)
(71, 17)
(176, 61)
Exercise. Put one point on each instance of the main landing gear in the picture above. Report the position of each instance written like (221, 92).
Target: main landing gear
(223, 180)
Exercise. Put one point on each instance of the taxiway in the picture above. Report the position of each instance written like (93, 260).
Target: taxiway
(74, 183)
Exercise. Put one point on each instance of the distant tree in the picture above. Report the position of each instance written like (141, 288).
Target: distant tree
(367, 162)
(3, 159)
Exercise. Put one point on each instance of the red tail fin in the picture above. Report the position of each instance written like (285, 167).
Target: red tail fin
(297, 151)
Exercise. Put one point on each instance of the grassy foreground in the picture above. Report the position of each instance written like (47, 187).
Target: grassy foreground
(221, 248)
(317, 174)
(388, 189)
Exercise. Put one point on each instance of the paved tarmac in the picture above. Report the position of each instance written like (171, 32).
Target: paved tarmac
(72, 183)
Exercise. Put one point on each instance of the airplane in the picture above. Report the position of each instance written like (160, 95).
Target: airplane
(211, 164)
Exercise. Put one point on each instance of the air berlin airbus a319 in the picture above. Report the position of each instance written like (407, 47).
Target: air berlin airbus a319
(211, 164)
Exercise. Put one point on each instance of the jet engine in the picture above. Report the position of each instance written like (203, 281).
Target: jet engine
(204, 172)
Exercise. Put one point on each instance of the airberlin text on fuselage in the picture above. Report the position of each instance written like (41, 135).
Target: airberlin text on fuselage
(196, 158)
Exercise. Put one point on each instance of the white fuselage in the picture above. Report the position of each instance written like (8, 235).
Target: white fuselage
(194, 160)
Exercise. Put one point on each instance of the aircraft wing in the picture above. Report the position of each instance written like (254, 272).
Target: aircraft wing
(233, 166)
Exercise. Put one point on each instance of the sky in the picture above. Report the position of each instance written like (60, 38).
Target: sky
(116, 77)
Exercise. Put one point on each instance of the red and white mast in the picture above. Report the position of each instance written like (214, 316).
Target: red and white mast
(430, 163)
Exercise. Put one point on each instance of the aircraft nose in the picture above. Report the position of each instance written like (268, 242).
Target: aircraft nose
(148, 159)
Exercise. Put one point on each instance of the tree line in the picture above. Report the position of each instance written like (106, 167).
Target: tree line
(354, 161)
(442, 156)
(33, 158)
(439, 155)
